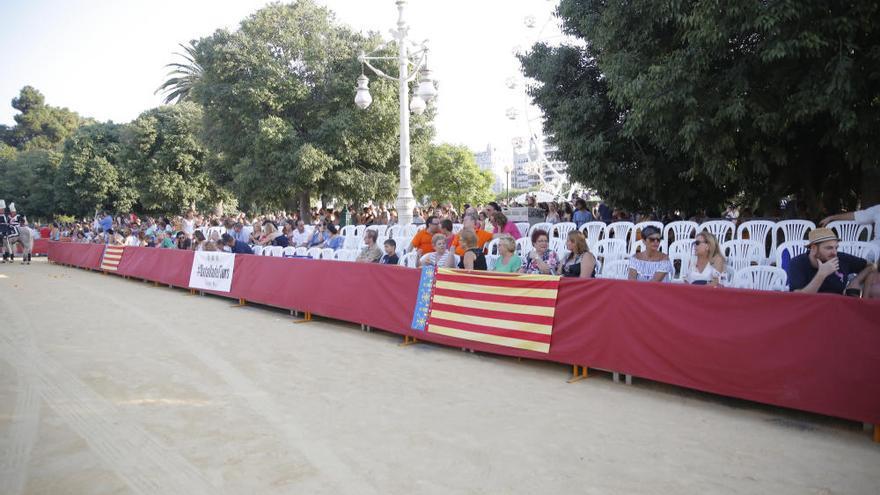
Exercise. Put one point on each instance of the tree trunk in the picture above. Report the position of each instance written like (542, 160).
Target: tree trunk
(305, 206)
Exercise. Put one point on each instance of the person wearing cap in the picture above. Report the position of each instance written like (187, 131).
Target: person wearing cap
(867, 216)
(823, 269)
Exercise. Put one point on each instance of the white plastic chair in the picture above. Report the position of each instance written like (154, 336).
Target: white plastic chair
(610, 250)
(491, 247)
(617, 269)
(346, 255)
(456, 228)
(409, 259)
(288, 251)
(793, 230)
(300, 251)
(593, 232)
(523, 246)
(681, 230)
(788, 250)
(393, 231)
(315, 253)
(545, 226)
(352, 242)
(359, 230)
(562, 229)
(742, 253)
(276, 251)
(761, 277)
(523, 228)
(849, 231)
(761, 231)
(558, 245)
(258, 250)
(347, 231)
(621, 231)
(865, 250)
(403, 243)
(327, 253)
(721, 229)
(683, 252)
(381, 231)
(491, 259)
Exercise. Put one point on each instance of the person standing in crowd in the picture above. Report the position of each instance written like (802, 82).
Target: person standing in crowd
(235, 246)
(502, 226)
(708, 264)
(473, 258)
(541, 259)
(371, 252)
(581, 214)
(823, 269)
(604, 212)
(390, 257)
(552, 213)
(650, 264)
(423, 242)
(189, 223)
(867, 216)
(580, 262)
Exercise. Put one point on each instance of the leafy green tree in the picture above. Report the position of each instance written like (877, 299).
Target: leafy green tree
(453, 175)
(760, 100)
(89, 176)
(38, 126)
(28, 180)
(164, 158)
(279, 112)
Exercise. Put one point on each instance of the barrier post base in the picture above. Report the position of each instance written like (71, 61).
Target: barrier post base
(578, 373)
(193, 292)
(306, 318)
(241, 303)
(155, 284)
(408, 341)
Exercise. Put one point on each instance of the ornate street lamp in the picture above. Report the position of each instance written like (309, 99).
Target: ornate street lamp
(425, 92)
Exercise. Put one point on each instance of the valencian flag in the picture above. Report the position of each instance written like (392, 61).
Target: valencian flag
(423, 301)
(112, 257)
(509, 310)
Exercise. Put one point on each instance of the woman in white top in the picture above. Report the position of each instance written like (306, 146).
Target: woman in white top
(650, 264)
(708, 264)
(441, 257)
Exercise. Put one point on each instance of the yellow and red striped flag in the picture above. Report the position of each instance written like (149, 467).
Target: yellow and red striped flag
(112, 257)
(505, 309)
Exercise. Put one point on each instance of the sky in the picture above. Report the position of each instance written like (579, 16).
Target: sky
(104, 59)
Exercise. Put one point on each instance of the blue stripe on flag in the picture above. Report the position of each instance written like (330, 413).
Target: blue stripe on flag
(423, 302)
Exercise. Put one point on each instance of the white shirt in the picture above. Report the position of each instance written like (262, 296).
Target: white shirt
(300, 238)
(189, 226)
(707, 274)
(867, 216)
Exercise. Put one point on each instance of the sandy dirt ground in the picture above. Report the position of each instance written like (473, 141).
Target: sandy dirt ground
(113, 386)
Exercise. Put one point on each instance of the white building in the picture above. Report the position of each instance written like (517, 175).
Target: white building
(520, 178)
(491, 161)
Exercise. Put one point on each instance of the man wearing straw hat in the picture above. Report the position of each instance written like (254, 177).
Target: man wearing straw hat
(823, 269)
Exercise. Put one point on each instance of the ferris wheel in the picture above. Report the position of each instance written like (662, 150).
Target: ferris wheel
(529, 142)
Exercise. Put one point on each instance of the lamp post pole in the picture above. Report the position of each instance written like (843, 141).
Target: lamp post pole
(507, 171)
(423, 95)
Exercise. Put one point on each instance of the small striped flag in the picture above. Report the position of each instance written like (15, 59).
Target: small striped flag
(112, 257)
(509, 310)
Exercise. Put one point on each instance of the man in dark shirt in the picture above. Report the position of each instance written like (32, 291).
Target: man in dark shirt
(823, 269)
(236, 246)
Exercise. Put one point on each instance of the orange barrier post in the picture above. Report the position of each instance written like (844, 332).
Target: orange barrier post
(578, 373)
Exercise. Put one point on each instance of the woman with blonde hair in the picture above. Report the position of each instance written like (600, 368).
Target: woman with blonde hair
(508, 261)
(580, 262)
(708, 263)
(440, 257)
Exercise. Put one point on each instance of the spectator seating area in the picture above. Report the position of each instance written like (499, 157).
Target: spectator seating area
(757, 251)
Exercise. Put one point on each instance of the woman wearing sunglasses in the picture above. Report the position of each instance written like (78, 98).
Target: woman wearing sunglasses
(650, 264)
(708, 263)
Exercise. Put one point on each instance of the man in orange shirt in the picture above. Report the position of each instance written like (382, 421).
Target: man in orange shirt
(470, 223)
(422, 242)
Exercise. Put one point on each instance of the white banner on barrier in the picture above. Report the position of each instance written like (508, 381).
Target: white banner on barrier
(212, 270)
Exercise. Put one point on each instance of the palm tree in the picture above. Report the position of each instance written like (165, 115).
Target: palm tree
(182, 77)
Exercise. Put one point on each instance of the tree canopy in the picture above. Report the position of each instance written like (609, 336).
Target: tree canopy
(453, 175)
(277, 95)
(753, 100)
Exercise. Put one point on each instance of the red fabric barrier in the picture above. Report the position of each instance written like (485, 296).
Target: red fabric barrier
(166, 266)
(82, 255)
(818, 353)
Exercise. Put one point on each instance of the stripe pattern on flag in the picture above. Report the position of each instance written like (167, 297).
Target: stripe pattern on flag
(112, 257)
(509, 310)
